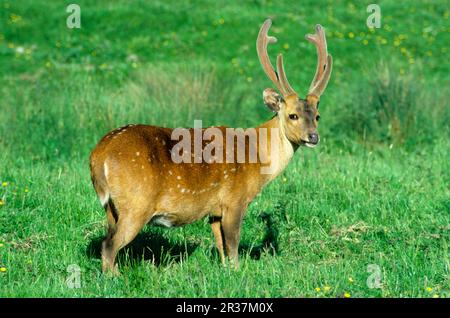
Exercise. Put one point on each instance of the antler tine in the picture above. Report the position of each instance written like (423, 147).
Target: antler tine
(282, 75)
(322, 83)
(319, 40)
(261, 47)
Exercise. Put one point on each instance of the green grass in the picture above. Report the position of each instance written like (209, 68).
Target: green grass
(376, 190)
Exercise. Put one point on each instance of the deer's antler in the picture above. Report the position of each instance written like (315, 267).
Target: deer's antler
(324, 62)
(279, 77)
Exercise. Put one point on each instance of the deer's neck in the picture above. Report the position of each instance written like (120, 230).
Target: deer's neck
(280, 154)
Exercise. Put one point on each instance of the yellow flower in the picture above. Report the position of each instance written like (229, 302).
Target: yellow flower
(435, 296)
(284, 180)
(347, 295)
(1, 202)
(350, 279)
(26, 190)
(15, 18)
(327, 288)
(317, 289)
(365, 42)
(3, 269)
(286, 46)
(1, 245)
(351, 35)
(249, 79)
(4, 184)
(429, 289)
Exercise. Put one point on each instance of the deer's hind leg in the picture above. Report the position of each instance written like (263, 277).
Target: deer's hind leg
(120, 233)
(111, 217)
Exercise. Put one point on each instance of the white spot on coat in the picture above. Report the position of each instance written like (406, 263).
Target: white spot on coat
(105, 170)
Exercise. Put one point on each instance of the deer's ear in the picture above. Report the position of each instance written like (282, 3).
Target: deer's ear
(272, 99)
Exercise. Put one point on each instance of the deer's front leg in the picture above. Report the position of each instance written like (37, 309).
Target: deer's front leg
(231, 228)
(216, 228)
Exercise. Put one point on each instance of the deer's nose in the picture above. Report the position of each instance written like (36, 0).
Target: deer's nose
(313, 138)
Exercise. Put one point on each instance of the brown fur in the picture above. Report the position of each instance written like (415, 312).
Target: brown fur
(137, 181)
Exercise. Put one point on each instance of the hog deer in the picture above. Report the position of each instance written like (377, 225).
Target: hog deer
(138, 182)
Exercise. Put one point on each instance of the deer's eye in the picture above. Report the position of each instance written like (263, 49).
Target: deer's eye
(317, 117)
(293, 116)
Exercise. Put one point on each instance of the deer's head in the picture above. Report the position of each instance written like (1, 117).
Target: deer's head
(298, 117)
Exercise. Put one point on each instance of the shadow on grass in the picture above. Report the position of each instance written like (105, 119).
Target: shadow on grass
(269, 244)
(152, 246)
(149, 246)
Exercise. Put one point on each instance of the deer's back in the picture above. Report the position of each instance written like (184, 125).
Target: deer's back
(134, 162)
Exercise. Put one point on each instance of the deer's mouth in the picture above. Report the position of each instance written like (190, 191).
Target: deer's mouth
(308, 144)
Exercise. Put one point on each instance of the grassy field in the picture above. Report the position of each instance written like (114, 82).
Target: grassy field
(372, 201)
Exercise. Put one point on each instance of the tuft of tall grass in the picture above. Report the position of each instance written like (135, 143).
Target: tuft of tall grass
(393, 110)
(174, 95)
